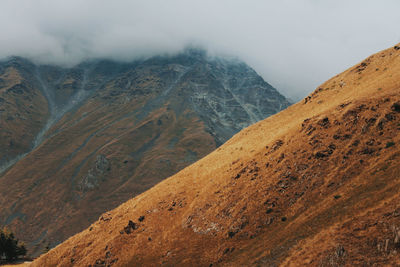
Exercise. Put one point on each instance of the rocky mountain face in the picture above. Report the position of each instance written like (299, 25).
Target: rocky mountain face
(314, 185)
(79, 141)
(23, 110)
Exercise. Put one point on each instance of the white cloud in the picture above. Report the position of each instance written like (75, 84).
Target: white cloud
(294, 44)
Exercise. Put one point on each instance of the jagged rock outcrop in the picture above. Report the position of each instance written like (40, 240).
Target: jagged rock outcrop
(95, 175)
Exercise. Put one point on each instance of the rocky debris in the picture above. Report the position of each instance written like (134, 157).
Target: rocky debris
(310, 130)
(396, 239)
(352, 115)
(277, 145)
(370, 122)
(105, 217)
(323, 153)
(129, 228)
(100, 263)
(104, 263)
(332, 147)
(342, 137)
(18, 89)
(324, 122)
(102, 164)
(242, 171)
(96, 174)
(390, 243)
(231, 234)
(89, 182)
(335, 258)
(280, 158)
(396, 107)
(304, 124)
(252, 170)
(362, 66)
(271, 202)
(228, 250)
(340, 251)
(172, 205)
(356, 142)
(390, 116)
(370, 142)
(381, 124)
(141, 219)
(315, 93)
(269, 220)
(367, 150)
(341, 106)
(238, 226)
(301, 167)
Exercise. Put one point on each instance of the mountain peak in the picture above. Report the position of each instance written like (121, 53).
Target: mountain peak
(194, 51)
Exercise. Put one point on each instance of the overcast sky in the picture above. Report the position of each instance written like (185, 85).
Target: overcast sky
(293, 44)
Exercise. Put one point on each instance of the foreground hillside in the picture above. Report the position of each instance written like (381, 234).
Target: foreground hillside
(80, 141)
(316, 184)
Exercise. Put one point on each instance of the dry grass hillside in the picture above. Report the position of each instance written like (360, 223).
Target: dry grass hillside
(25, 264)
(317, 184)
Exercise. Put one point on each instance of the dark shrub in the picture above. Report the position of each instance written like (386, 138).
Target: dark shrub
(389, 144)
(10, 247)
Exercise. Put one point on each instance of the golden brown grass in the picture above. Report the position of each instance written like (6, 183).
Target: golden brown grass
(25, 264)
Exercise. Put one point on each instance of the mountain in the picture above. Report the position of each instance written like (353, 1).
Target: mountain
(79, 141)
(316, 184)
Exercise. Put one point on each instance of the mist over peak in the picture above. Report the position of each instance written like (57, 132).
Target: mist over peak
(294, 44)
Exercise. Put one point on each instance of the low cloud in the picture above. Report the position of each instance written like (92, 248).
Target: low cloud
(294, 44)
